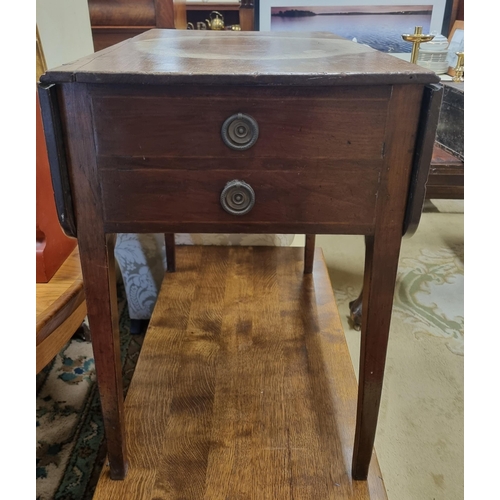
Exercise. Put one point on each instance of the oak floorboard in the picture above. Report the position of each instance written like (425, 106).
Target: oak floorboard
(244, 387)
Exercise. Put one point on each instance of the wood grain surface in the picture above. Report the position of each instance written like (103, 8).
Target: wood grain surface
(52, 246)
(309, 250)
(60, 309)
(98, 268)
(244, 388)
(52, 344)
(58, 298)
(340, 123)
(381, 264)
(446, 176)
(425, 141)
(142, 179)
(122, 13)
(184, 197)
(162, 56)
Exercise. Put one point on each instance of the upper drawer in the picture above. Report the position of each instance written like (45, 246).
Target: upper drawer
(166, 122)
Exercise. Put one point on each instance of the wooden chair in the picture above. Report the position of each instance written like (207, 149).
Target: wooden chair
(60, 299)
(60, 310)
(52, 245)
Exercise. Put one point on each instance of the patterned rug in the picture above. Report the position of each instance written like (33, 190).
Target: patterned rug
(429, 289)
(71, 447)
(420, 431)
(428, 296)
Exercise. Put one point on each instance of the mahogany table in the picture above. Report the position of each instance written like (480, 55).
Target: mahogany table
(187, 131)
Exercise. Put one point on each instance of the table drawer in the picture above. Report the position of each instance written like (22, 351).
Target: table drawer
(335, 123)
(144, 197)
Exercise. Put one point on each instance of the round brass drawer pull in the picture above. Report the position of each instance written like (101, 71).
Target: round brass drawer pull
(240, 132)
(237, 198)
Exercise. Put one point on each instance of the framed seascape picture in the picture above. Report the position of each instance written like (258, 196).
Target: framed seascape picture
(377, 23)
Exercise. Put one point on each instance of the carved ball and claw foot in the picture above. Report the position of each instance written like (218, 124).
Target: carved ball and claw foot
(355, 308)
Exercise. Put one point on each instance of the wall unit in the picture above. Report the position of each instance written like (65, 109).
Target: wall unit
(198, 11)
(113, 21)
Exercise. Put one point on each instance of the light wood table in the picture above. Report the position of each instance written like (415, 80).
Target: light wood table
(60, 309)
(244, 387)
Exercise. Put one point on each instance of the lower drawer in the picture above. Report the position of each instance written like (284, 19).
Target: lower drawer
(142, 200)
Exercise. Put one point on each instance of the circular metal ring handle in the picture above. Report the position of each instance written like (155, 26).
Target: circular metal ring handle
(240, 132)
(237, 198)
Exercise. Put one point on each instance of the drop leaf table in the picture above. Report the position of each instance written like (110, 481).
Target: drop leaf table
(244, 132)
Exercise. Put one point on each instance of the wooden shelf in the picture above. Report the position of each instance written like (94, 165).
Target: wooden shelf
(212, 6)
(244, 386)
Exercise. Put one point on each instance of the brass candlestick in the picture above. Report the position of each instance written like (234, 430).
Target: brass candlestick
(459, 68)
(417, 38)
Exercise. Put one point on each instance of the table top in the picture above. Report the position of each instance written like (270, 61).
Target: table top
(161, 56)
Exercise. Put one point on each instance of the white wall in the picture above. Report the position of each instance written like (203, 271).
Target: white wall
(64, 28)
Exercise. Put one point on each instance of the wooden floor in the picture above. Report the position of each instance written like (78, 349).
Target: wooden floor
(244, 387)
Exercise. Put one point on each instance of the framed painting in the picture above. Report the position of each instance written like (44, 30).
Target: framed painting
(456, 40)
(377, 23)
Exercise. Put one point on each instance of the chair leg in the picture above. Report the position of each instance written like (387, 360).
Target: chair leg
(170, 251)
(309, 253)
